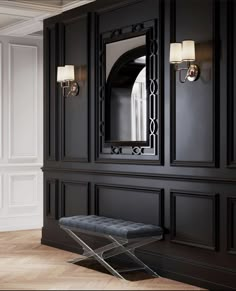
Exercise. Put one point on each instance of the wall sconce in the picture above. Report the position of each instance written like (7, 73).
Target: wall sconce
(66, 77)
(184, 52)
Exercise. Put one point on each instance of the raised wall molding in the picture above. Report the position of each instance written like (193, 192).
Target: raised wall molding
(212, 160)
(231, 158)
(74, 143)
(51, 101)
(1, 191)
(147, 175)
(23, 190)
(231, 226)
(1, 110)
(186, 206)
(21, 165)
(52, 199)
(75, 198)
(109, 199)
(23, 91)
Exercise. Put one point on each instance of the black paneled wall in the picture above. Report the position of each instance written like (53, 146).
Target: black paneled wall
(185, 179)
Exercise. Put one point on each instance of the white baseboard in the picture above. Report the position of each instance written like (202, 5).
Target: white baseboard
(18, 228)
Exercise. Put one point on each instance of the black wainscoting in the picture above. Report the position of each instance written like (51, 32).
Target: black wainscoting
(186, 181)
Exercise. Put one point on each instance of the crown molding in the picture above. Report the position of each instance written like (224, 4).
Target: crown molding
(26, 24)
(43, 7)
(76, 4)
(23, 28)
(29, 6)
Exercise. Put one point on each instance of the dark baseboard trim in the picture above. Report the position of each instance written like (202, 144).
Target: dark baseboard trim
(185, 178)
(189, 262)
(192, 280)
(160, 264)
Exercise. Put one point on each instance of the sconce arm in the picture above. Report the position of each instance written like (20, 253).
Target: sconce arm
(192, 73)
(73, 88)
(177, 69)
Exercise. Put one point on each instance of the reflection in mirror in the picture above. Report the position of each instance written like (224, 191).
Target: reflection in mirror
(139, 108)
(126, 94)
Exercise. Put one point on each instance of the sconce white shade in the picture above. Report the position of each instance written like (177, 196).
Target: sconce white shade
(69, 74)
(60, 74)
(175, 53)
(188, 50)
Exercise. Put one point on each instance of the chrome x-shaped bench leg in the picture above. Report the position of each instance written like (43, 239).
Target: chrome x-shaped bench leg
(116, 247)
(88, 254)
(93, 253)
(122, 247)
(130, 252)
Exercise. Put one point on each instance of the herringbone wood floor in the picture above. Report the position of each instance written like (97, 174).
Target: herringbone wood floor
(25, 264)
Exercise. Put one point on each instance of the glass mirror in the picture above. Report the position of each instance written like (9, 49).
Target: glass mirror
(126, 91)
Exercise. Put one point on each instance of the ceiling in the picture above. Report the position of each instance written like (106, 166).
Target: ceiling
(24, 18)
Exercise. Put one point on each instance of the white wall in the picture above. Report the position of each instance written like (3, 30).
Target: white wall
(21, 133)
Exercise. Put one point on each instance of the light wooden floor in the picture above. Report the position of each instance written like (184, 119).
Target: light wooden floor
(25, 264)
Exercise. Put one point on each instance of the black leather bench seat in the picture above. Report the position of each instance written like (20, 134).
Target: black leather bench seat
(111, 226)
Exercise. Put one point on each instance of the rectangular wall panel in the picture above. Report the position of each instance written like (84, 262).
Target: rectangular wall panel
(51, 99)
(194, 219)
(23, 79)
(23, 194)
(1, 191)
(52, 199)
(231, 79)
(74, 199)
(231, 225)
(1, 103)
(129, 203)
(75, 109)
(195, 105)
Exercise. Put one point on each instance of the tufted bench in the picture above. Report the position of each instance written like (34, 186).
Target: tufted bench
(125, 237)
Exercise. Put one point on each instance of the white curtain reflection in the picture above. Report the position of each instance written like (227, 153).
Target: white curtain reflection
(139, 108)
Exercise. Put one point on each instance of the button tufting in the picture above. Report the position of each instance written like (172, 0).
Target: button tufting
(111, 226)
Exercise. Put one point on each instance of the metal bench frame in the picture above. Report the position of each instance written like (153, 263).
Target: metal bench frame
(116, 247)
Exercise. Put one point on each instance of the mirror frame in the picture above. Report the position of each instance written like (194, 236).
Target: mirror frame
(151, 152)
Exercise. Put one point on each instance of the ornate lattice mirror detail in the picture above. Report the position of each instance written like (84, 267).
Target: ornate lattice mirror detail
(128, 106)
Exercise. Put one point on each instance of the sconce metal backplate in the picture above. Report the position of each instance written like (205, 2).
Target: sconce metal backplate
(74, 89)
(193, 73)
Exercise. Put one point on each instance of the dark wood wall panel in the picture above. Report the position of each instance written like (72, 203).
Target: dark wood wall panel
(129, 203)
(51, 57)
(194, 219)
(194, 105)
(231, 224)
(231, 77)
(74, 199)
(75, 109)
(52, 199)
